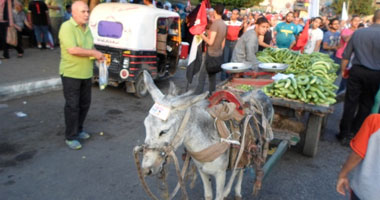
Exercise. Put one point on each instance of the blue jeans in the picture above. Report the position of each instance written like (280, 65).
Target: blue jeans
(343, 82)
(227, 55)
(38, 30)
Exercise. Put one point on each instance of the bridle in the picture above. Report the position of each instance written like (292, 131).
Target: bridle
(168, 150)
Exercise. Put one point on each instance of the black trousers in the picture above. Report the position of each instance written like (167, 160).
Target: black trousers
(19, 43)
(362, 86)
(3, 38)
(77, 93)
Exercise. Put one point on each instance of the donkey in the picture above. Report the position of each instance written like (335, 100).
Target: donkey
(198, 134)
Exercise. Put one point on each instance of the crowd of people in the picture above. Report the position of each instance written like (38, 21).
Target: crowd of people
(39, 20)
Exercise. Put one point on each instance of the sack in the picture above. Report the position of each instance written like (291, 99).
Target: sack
(12, 36)
(103, 74)
(213, 64)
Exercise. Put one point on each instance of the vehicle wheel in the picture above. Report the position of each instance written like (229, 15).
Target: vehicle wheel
(141, 89)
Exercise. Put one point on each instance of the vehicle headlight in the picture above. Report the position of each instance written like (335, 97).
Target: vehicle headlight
(126, 63)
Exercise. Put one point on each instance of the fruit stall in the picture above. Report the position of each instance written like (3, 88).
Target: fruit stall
(301, 87)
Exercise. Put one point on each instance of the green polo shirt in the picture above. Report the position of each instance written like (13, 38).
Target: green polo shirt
(71, 35)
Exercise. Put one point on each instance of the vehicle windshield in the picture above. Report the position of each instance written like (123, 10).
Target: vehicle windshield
(110, 29)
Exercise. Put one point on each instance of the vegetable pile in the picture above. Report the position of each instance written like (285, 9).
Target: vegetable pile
(314, 76)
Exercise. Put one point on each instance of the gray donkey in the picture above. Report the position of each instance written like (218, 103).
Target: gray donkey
(198, 133)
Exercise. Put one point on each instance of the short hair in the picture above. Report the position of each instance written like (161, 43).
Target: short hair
(262, 20)
(376, 16)
(289, 13)
(355, 16)
(317, 18)
(333, 20)
(237, 9)
(219, 8)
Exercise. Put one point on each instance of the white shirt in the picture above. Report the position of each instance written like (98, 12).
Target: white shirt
(314, 36)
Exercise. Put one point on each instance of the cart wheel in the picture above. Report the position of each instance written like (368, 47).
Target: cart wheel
(313, 132)
(141, 90)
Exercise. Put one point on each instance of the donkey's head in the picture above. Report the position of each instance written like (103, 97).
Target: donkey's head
(163, 122)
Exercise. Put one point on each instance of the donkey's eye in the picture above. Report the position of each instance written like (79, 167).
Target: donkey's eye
(163, 132)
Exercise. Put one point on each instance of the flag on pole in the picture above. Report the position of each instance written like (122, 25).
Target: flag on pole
(302, 38)
(344, 12)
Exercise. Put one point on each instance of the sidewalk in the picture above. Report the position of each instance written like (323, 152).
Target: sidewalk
(36, 71)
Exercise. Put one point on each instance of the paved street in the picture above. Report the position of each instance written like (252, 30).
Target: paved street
(35, 163)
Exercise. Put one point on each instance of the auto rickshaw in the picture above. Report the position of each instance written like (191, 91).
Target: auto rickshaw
(134, 38)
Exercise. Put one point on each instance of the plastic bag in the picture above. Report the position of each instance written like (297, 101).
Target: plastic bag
(103, 74)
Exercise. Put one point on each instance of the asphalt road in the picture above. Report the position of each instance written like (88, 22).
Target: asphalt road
(35, 163)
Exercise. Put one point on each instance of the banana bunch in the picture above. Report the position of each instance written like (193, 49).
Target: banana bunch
(306, 88)
(323, 69)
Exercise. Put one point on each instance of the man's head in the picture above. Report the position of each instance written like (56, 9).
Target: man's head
(68, 8)
(18, 6)
(355, 21)
(235, 14)
(219, 8)
(316, 22)
(80, 12)
(287, 5)
(148, 2)
(262, 26)
(376, 17)
(289, 17)
(334, 24)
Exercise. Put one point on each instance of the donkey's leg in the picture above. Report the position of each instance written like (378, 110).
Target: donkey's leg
(220, 180)
(238, 185)
(206, 185)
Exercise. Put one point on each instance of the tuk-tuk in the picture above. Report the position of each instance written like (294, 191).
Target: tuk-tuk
(134, 38)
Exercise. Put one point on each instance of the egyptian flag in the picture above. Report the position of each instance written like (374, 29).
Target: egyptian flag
(195, 56)
(302, 38)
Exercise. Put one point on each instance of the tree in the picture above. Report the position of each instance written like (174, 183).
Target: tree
(358, 7)
(238, 3)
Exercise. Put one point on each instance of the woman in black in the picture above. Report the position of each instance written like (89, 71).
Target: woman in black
(6, 19)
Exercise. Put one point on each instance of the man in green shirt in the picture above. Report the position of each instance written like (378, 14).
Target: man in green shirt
(76, 71)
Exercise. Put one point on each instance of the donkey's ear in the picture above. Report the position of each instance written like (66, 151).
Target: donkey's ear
(173, 90)
(185, 102)
(152, 88)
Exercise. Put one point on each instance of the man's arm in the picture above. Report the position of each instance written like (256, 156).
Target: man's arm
(343, 184)
(209, 40)
(327, 47)
(262, 43)
(81, 52)
(292, 44)
(317, 45)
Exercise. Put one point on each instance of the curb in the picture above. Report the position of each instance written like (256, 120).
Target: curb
(22, 89)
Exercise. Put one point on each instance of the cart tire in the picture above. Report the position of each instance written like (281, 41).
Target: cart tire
(313, 133)
(141, 89)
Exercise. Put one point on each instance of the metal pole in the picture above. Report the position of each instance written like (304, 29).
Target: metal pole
(281, 149)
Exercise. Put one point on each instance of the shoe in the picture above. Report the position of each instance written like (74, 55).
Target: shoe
(83, 135)
(39, 46)
(73, 144)
(19, 55)
(49, 46)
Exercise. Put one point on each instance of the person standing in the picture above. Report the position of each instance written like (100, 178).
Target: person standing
(248, 44)
(6, 19)
(330, 43)
(363, 78)
(315, 37)
(76, 70)
(20, 20)
(345, 36)
(233, 28)
(285, 32)
(215, 43)
(56, 17)
(364, 162)
(39, 16)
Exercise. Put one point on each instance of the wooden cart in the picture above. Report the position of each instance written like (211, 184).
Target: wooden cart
(309, 117)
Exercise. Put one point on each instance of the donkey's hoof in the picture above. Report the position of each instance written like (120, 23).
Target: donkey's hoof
(238, 198)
